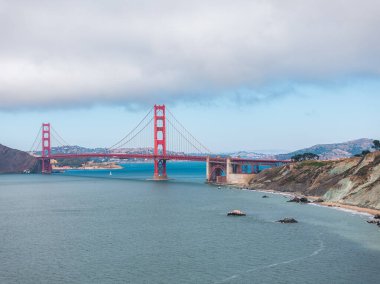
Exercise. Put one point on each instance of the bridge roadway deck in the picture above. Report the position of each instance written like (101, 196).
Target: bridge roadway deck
(159, 157)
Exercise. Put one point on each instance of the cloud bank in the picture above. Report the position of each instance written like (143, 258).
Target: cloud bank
(77, 53)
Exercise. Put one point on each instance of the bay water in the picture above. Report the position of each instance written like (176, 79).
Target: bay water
(93, 227)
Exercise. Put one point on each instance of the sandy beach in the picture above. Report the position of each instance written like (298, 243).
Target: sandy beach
(351, 207)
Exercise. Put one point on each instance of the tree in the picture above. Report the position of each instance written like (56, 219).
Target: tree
(311, 156)
(72, 162)
(363, 153)
(304, 157)
(376, 145)
(296, 158)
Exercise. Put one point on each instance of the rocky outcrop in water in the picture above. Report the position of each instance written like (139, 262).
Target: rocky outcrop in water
(353, 181)
(236, 213)
(16, 161)
(288, 220)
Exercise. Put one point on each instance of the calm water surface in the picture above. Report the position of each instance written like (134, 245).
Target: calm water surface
(90, 227)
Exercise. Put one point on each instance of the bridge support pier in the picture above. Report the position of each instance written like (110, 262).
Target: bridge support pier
(228, 171)
(215, 171)
(160, 170)
(46, 167)
(208, 174)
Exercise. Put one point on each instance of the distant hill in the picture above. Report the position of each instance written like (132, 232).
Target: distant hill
(248, 155)
(16, 161)
(333, 151)
(325, 151)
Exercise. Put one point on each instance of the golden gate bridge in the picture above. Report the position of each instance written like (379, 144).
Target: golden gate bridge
(160, 137)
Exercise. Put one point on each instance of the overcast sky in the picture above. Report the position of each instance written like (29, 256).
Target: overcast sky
(250, 66)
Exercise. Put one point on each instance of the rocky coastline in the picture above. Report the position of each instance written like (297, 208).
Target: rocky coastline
(352, 183)
(315, 200)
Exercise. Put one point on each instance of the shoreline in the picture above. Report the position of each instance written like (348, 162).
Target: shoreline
(329, 204)
(346, 207)
(86, 168)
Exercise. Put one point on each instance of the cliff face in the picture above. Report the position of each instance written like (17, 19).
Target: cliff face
(15, 161)
(353, 181)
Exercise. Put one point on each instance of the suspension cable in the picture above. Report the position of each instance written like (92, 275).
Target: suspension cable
(145, 126)
(130, 133)
(59, 136)
(38, 146)
(188, 132)
(35, 141)
(200, 151)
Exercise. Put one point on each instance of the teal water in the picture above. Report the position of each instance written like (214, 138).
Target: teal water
(90, 227)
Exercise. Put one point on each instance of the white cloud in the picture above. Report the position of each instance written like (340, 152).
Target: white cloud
(68, 53)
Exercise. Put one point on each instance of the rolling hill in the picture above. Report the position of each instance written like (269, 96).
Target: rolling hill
(16, 161)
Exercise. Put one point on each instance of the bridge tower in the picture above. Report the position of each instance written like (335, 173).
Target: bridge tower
(46, 148)
(159, 143)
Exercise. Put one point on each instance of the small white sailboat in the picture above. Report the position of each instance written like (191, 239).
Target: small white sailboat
(110, 173)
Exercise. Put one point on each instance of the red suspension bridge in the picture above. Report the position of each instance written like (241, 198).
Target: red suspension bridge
(160, 137)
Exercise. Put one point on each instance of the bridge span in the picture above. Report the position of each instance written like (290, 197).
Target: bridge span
(218, 169)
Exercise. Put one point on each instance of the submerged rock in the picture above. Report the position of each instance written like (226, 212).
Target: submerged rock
(265, 196)
(236, 213)
(288, 220)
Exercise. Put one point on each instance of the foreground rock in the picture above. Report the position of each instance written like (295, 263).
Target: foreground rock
(299, 200)
(236, 213)
(295, 199)
(376, 222)
(377, 216)
(288, 221)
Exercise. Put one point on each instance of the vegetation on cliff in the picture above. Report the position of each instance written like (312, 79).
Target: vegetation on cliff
(16, 161)
(353, 181)
(304, 157)
(75, 163)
